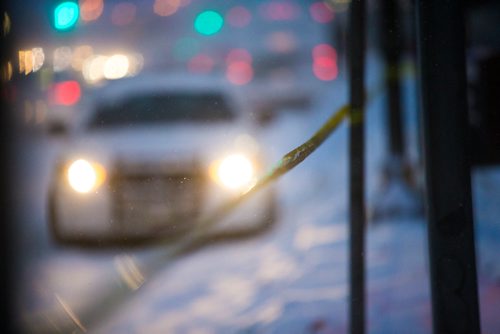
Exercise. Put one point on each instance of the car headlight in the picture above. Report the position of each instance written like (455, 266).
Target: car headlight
(84, 176)
(235, 172)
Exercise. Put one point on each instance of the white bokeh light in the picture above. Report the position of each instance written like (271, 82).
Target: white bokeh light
(235, 171)
(93, 68)
(82, 177)
(116, 67)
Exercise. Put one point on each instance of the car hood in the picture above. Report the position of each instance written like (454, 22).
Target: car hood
(163, 142)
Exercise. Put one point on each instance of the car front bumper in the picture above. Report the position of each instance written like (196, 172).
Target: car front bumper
(102, 215)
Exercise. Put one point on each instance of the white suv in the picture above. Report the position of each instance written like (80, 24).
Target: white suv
(152, 155)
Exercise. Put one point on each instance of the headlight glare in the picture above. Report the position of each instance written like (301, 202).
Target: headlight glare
(235, 171)
(84, 176)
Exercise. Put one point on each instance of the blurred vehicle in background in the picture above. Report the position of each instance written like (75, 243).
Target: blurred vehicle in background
(151, 155)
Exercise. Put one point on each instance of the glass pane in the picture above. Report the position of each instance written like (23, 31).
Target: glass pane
(138, 124)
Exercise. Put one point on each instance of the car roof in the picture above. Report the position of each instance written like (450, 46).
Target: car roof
(150, 83)
(163, 83)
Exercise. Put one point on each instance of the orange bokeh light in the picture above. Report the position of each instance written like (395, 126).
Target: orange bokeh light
(324, 62)
(91, 10)
(166, 7)
(324, 50)
(239, 73)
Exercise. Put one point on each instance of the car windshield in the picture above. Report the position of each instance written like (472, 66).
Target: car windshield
(162, 108)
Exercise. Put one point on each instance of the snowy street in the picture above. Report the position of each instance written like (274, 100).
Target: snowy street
(290, 280)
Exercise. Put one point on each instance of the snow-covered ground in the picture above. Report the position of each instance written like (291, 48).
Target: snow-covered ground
(293, 279)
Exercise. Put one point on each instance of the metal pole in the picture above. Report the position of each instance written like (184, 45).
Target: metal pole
(7, 281)
(391, 48)
(356, 155)
(444, 118)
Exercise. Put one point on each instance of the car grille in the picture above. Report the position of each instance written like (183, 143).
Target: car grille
(144, 200)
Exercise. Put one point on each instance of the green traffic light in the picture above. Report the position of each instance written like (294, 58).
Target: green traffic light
(66, 15)
(208, 22)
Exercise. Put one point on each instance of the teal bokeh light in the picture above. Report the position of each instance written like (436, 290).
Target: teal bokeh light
(208, 22)
(66, 15)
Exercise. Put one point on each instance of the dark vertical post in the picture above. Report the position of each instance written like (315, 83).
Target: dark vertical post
(391, 48)
(356, 155)
(444, 118)
(7, 248)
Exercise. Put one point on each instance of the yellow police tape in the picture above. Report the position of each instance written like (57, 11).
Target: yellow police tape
(295, 156)
(290, 160)
(285, 164)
